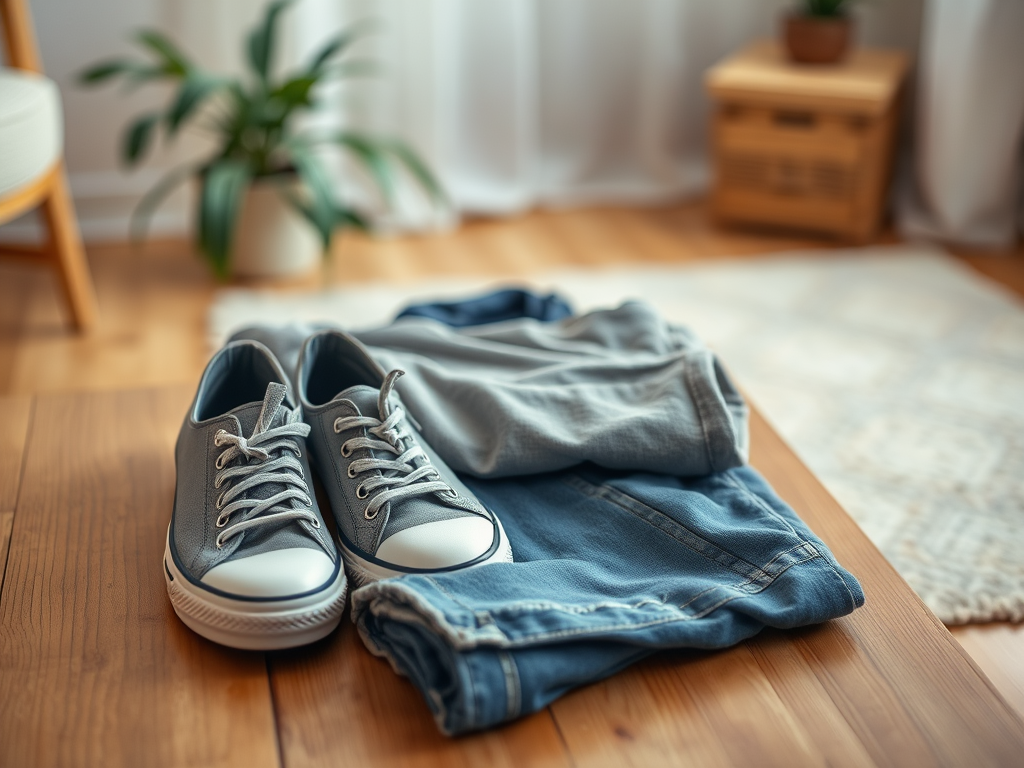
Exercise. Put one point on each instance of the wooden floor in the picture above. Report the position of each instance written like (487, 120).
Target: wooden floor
(153, 306)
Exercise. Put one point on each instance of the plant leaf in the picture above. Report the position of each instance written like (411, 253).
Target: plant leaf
(339, 43)
(195, 89)
(148, 204)
(373, 157)
(419, 170)
(261, 40)
(137, 138)
(105, 70)
(172, 59)
(224, 184)
(320, 209)
(351, 218)
(295, 92)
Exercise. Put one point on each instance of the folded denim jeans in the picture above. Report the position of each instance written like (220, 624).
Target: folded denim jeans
(611, 563)
(609, 567)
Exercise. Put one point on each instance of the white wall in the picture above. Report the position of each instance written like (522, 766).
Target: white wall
(75, 33)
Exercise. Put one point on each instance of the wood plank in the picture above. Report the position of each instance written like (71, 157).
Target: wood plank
(899, 677)
(15, 413)
(998, 648)
(335, 701)
(95, 668)
(15, 416)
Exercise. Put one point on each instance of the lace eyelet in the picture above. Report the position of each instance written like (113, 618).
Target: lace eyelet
(453, 493)
(345, 450)
(217, 437)
(316, 524)
(218, 463)
(361, 492)
(337, 429)
(219, 543)
(298, 453)
(221, 522)
(350, 473)
(368, 516)
(219, 503)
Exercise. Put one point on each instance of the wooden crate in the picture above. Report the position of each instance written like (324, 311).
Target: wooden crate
(804, 146)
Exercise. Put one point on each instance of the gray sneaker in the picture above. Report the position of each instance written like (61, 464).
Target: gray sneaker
(398, 507)
(248, 562)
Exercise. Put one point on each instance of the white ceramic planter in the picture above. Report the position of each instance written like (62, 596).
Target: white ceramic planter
(272, 239)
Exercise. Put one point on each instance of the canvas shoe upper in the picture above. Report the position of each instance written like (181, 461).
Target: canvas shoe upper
(248, 561)
(399, 508)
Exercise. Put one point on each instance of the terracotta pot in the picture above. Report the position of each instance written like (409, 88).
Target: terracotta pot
(272, 239)
(816, 39)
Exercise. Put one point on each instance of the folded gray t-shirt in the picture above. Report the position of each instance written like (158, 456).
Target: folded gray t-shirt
(618, 387)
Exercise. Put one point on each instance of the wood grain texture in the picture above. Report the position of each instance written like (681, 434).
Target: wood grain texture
(336, 703)
(906, 687)
(15, 417)
(95, 669)
(152, 332)
(864, 82)
(998, 648)
(15, 413)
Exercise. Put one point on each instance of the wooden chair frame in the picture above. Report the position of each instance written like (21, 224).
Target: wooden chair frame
(62, 247)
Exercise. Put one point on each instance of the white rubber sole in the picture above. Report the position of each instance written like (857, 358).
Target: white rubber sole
(255, 626)
(363, 572)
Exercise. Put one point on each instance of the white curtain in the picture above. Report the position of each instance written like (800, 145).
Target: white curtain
(519, 103)
(965, 184)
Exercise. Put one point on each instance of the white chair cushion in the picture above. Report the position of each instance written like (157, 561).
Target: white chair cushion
(31, 127)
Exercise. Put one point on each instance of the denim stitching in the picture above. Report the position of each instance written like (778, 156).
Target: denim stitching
(516, 609)
(437, 585)
(606, 492)
(742, 486)
(512, 692)
(700, 415)
(689, 617)
(531, 639)
(770, 577)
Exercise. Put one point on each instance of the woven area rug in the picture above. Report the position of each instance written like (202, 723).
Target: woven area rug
(897, 374)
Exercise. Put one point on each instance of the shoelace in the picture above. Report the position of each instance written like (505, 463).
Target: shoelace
(277, 462)
(400, 478)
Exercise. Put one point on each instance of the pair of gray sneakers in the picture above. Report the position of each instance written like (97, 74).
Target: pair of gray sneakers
(248, 561)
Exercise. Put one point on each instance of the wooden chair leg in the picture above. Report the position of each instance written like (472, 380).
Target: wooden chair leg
(65, 242)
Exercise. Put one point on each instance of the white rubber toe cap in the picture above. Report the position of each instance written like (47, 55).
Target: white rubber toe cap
(441, 544)
(280, 573)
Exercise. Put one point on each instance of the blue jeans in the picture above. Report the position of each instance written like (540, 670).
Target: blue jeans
(610, 566)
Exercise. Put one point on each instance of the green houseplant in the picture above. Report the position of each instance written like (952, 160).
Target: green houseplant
(818, 31)
(259, 147)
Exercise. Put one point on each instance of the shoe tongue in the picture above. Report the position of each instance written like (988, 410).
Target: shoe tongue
(256, 417)
(364, 397)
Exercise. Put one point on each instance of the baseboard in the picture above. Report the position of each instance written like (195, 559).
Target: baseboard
(104, 201)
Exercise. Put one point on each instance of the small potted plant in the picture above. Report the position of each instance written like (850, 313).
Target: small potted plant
(266, 205)
(818, 31)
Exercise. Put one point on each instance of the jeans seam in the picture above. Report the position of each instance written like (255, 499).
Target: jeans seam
(741, 584)
(632, 626)
(742, 486)
(437, 585)
(697, 400)
(512, 689)
(602, 491)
